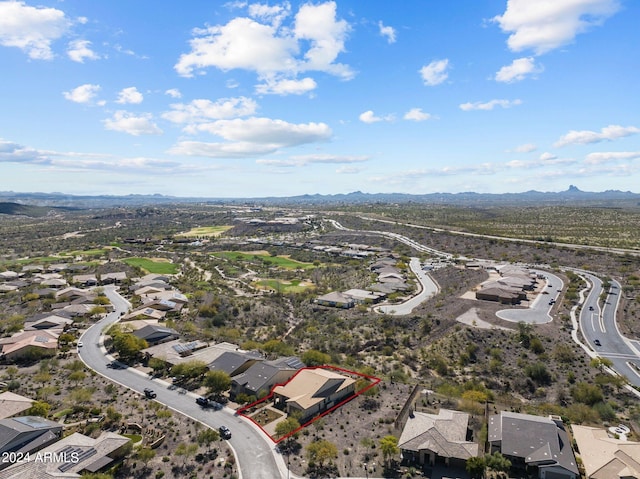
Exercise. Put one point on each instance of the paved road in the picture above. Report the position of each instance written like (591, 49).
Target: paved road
(600, 324)
(428, 288)
(254, 452)
(538, 312)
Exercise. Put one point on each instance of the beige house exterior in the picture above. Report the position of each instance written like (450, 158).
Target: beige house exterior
(428, 439)
(605, 457)
(313, 391)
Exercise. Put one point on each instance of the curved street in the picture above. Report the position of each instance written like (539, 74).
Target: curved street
(259, 461)
(262, 461)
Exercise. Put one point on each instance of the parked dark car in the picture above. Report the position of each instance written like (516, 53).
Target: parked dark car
(225, 433)
(597, 342)
(149, 393)
(202, 401)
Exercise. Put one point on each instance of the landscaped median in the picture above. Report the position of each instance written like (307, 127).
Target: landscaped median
(309, 395)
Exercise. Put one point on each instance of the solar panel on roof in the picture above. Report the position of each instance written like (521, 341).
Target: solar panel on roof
(186, 347)
(74, 456)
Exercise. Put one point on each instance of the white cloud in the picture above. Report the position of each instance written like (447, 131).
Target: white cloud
(31, 29)
(435, 72)
(318, 25)
(518, 70)
(287, 86)
(303, 160)
(546, 156)
(129, 95)
(14, 153)
(490, 105)
(370, 117)
(82, 94)
(79, 51)
(270, 49)
(242, 43)
(221, 150)
(526, 148)
(608, 133)
(173, 93)
(416, 114)
(545, 25)
(348, 170)
(202, 110)
(252, 136)
(268, 131)
(388, 32)
(271, 14)
(605, 157)
(126, 122)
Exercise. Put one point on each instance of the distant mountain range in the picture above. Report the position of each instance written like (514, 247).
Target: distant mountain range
(571, 196)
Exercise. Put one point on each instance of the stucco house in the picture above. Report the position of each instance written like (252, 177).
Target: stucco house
(313, 391)
(428, 439)
(605, 457)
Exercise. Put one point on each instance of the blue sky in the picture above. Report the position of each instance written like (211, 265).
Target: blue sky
(244, 99)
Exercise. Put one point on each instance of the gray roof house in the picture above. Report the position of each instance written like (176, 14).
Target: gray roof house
(260, 378)
(27, 434)
(534, 441)
(154, 334)
(235, 362)
(427, 438)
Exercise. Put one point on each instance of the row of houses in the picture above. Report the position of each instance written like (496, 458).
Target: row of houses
(390, 279)
(539, 444)
(526, 440)
(41, 331)
(511, 287)
(56, 277)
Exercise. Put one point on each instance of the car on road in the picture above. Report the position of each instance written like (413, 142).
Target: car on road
(590, 308)
(149, 393)
(597, 342)
(116, 365)
(79, 344)
(202, 401)
(225, 433)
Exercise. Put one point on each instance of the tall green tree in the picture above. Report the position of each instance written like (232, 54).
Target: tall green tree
(217, 382)
(389, 448)
(321, 451)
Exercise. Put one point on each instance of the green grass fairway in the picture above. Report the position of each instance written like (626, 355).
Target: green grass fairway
(281, 286)
(280, 261)
(210, 231)
(89, 252)
(153, 266)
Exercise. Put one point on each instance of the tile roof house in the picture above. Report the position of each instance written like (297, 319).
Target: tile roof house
(113, 278)
(534, 441)
(261, 377)
(336, 299)
(427, 438)
(85, 279)
(27, 434)
(71, 456)
(605, 457)
(312, 391)
(38, 342)
(12, 404)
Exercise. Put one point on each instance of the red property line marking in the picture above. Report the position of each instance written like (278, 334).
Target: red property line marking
(374, 382)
